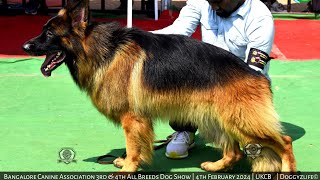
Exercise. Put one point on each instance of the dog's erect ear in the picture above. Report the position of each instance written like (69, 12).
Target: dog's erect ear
(78, 11)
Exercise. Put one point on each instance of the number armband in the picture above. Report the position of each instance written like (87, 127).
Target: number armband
(257, 59)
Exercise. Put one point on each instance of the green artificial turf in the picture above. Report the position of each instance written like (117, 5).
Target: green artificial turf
(39, 116)
(294, 16)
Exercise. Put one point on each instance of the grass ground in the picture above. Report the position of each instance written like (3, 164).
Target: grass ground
(39, 116)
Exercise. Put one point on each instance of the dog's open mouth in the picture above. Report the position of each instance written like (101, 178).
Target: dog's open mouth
(52, 61)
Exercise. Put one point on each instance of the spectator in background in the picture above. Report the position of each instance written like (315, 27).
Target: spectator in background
(124, 4)
(274, 6)
(33, 6)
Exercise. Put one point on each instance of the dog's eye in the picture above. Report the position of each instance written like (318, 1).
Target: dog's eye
(49, 34)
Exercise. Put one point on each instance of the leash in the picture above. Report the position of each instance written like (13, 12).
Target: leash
(101, 159)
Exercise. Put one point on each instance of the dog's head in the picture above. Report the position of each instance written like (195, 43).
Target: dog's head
(60, 36)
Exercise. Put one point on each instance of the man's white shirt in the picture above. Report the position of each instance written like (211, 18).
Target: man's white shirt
(250, 26)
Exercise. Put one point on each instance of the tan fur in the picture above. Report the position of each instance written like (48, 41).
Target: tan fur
(62, 12)
(229, 158)
(112, 94)
(139, 137)
(231, 115)
(238, 112)
(267, 161)
(290, 162)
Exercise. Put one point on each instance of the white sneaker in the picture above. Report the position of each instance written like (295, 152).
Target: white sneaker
(181, 142)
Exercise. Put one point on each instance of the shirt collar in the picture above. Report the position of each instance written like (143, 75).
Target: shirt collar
(243, 9)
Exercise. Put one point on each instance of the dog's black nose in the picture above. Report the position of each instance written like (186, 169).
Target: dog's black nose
(27, 47)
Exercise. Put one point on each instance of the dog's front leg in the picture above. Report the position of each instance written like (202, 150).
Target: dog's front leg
(139, 140)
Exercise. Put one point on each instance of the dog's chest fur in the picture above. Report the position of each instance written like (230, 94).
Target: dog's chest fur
(111, 82)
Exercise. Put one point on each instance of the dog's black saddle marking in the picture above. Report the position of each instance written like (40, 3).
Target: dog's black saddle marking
(176, 61)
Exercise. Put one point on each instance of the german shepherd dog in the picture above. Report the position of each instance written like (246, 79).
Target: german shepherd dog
(134, 77)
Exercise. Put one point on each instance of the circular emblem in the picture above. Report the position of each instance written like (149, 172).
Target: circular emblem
(252, 150)
(67, 155)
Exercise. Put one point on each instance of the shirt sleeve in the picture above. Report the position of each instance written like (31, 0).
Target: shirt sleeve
(187, 21)
(260, 34)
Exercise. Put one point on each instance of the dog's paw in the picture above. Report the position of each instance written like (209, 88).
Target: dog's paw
(213, 166)
(129, 168)
(208, 166)
(126, 166)
(119, 162)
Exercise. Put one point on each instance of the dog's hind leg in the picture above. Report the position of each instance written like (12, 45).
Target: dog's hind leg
(139, 138)
(261, 126)
(282, 150)
(246, 110)
(288, 161)
(231, 154)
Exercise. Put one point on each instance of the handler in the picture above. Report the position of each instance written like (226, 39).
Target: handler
(243, 27)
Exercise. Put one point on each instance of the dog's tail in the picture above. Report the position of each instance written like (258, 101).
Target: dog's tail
(270, 131)
(253, 120)
(267, 161)
(258, 123)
